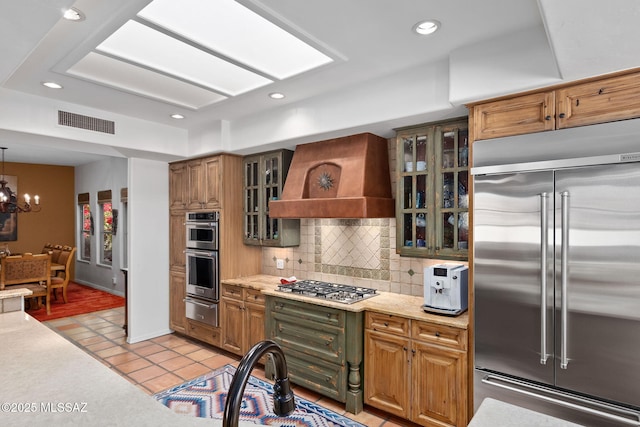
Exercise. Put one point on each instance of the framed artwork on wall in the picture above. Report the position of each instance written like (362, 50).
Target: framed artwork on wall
(9, 221)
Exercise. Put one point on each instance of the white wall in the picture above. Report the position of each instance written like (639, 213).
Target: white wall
(110, 174)
(148, 222)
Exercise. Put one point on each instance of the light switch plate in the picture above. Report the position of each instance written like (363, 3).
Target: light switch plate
(279, 264)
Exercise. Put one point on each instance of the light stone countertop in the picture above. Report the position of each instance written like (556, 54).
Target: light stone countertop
(385, 303)
(14, 293)
(495, 413)
(41, 369)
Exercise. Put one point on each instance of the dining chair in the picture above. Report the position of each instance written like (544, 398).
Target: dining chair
(28, 271)
(61, 278)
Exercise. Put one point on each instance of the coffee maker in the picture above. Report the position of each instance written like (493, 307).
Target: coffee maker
(446, 289)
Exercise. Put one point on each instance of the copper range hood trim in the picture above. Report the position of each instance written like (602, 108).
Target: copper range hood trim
(339, 178)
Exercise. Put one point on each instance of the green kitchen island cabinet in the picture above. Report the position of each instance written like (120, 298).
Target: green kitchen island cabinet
(323, 347)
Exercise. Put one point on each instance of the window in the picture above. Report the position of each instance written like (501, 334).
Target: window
(106, 227)
(86, 227)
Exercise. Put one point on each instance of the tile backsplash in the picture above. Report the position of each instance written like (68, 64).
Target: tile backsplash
(358, 252)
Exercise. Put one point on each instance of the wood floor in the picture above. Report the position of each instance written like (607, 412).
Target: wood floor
(160, 363)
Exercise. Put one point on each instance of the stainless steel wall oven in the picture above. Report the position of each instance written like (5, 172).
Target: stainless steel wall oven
(202, 267)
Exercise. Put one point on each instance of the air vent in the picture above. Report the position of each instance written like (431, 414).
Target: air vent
(85, 122)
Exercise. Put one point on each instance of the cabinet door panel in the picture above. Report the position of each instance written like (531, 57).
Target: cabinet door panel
(212, 183)
(255, 324)
(232, 325)
(601, 101)
(195, 174)
(178, 184)
(177, 312)
(516, 116)
(387, 373)
(438, 384)
(177, 241)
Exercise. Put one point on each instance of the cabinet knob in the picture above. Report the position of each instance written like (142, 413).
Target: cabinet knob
(404, 348)
(547, 118)
(413, 351)
(386, 324)
(437, 334)
(561, 115)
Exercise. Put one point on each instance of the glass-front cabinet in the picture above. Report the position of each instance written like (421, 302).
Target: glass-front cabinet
(264, 177)
(432, 190)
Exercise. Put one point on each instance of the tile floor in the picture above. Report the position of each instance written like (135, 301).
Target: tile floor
(160, 363)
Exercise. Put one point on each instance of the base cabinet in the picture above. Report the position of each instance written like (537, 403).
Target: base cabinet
(203, 332)
(416, 370)
(242, 318)
(177, 289)
(323, 348)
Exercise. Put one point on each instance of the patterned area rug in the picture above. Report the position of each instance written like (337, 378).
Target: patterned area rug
(205, 397)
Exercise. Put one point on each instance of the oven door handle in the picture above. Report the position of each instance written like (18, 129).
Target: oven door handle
(201, 304)
(199, 253)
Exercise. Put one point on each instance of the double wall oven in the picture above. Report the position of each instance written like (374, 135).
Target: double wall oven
(203, 279)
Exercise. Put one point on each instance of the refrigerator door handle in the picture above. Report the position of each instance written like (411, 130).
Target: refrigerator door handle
(579, 403)
(544, 224)
(564, 254)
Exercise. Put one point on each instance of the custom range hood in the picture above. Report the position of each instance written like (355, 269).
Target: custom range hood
(338, 178)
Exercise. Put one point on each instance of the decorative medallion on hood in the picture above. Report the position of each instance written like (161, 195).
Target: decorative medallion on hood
(339, 178)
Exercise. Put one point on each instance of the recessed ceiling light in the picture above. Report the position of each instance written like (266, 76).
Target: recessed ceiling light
(177, 116)
(276, 95)
(426, 27)
(52, 85)
(73, 14)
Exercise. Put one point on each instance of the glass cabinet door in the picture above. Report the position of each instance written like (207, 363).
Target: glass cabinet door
(452, 208)
(432, 190)
(251, 200)
(415, 189)
(271, 189)
(264, 178)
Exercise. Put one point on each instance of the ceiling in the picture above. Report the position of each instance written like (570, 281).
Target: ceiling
(365, 44)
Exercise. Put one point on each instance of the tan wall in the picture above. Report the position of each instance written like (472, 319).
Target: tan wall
(55, 222)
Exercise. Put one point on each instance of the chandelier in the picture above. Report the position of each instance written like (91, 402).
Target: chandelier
(9, 200)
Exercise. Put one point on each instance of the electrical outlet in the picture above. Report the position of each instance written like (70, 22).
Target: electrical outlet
(114, 281)
(280, 264)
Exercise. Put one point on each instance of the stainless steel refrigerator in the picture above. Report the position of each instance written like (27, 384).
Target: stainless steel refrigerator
(557, 274)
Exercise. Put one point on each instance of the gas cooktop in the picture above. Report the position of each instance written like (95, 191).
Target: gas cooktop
(329, 291)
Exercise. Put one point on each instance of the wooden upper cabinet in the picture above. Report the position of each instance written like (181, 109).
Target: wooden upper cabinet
(599, 100)
(515, 116)
(615, 98)
(178, 186)
(204, 183)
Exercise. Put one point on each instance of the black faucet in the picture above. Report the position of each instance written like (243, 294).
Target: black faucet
(283, 400)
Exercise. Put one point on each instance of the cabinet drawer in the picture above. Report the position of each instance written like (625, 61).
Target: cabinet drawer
(306, 337)
(387, 323)
(439, 334)
(315, 374)
(254, 296)
(203, 332)
(310, 312)
(231, 291)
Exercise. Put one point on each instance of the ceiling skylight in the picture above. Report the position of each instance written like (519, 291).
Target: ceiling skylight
(138, 80)
(227, 27)
(194, 53)
(142, 45)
